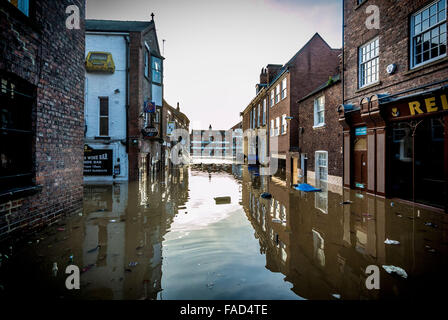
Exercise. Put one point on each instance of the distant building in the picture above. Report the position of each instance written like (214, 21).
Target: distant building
(237, 140)
(174, 119)
(41, 113)
(123, 106)
(212, 143)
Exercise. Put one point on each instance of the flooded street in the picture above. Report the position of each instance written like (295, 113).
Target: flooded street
(204, 232)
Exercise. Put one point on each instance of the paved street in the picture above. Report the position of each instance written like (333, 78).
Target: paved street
(204, 232)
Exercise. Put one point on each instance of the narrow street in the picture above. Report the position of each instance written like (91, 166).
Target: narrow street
(204, 232)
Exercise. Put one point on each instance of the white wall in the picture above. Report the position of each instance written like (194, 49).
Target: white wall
(105, 85)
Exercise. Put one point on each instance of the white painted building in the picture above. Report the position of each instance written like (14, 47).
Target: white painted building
(105, 111)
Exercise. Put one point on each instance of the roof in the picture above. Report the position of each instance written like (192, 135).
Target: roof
(117, 26)
(325, 85)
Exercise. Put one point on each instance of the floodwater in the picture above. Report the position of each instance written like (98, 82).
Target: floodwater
(204, 232)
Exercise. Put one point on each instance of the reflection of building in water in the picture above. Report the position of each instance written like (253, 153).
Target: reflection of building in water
(323, 247)
(124, 229)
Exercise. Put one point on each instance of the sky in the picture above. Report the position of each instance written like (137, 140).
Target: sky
(214, 50)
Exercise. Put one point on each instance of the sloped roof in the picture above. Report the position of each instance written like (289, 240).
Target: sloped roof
(323, 86)
(117, 26)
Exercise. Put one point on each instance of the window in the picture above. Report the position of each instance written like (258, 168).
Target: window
(157, 116)
(22, 5)
(272, 128)
(284, 124)
(284, 89)
(277, 126)
(428, 34)
(16, 135)
(156, 70)
(104, 116)
(250, 120)
(264, 112)
(277, 93)
(321, 166)
(369, 63)
(259, 115)
(146, 64)
(272, 98)
(319, 111)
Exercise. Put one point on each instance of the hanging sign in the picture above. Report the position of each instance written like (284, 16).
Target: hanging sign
(361, 131)
(149, 107)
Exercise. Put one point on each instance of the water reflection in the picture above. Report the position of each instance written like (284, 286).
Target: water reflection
(205, 233)
(323, 247)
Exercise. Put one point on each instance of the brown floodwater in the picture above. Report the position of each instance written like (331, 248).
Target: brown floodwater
(205, 232)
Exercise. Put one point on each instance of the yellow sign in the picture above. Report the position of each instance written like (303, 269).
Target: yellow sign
(428, 105)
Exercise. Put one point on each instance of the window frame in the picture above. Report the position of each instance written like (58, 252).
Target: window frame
(155, 71)
(284, 125)
(272, 128)
(264, 112)
(318, 166)
(272, 98)
(412, 35)
(100, 116)
(317, 122)
(277, 93)
(277, 126)
(284, 92)
(361, 63)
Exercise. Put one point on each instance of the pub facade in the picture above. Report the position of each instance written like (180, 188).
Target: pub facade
(395, 111)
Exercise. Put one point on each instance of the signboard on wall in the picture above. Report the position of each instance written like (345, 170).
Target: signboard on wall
(170, 127)
(361, 131)
(97, 162)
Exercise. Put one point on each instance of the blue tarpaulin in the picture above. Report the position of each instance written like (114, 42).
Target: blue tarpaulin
(306, 187)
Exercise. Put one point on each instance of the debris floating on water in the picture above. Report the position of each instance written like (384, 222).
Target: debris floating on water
(336, 296)
(397, 270)
(391, 241)
(430, 224)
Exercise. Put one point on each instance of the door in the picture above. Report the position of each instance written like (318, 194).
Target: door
(360, 163)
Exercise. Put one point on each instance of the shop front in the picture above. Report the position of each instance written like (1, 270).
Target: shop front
(396, 146)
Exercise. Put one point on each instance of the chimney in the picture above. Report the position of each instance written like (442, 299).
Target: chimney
(178, 108)
(263, 76)
(272, 70)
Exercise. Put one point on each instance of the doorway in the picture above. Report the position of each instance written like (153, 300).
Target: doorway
(360, 162)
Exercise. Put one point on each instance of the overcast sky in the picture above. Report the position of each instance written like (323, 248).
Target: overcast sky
(215, 49)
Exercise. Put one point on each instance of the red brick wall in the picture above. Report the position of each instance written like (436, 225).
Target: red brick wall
(42, 51)
(394, 44)
(327, 138)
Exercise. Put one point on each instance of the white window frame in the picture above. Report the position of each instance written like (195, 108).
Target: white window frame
(277, 126)
(318, 165)
(284, 124)
(259, 115)
(284, 88)
(414, 35)
(272, 98)
(317, 109)
(272, 128)
(370, 58)
(264, 112)
(277, 93)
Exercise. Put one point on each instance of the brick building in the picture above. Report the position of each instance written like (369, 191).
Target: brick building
(395, 100)
(175, 119)
(279, 89)
(144, 92)
(41, 113)
(320, 138)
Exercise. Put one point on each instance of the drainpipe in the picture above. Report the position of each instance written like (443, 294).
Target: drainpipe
(126, 38)
(343, 87)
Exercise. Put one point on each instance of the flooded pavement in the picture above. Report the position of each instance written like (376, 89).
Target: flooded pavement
(205, 233)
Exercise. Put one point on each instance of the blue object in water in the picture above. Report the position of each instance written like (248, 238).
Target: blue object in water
(266, 195)
(307, 188)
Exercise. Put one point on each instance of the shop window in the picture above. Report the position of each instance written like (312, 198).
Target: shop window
(369, 63)
(319, 111)
(22, 5)
(104, 116)
(16, 136)
(156, 70)
(428, 34)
